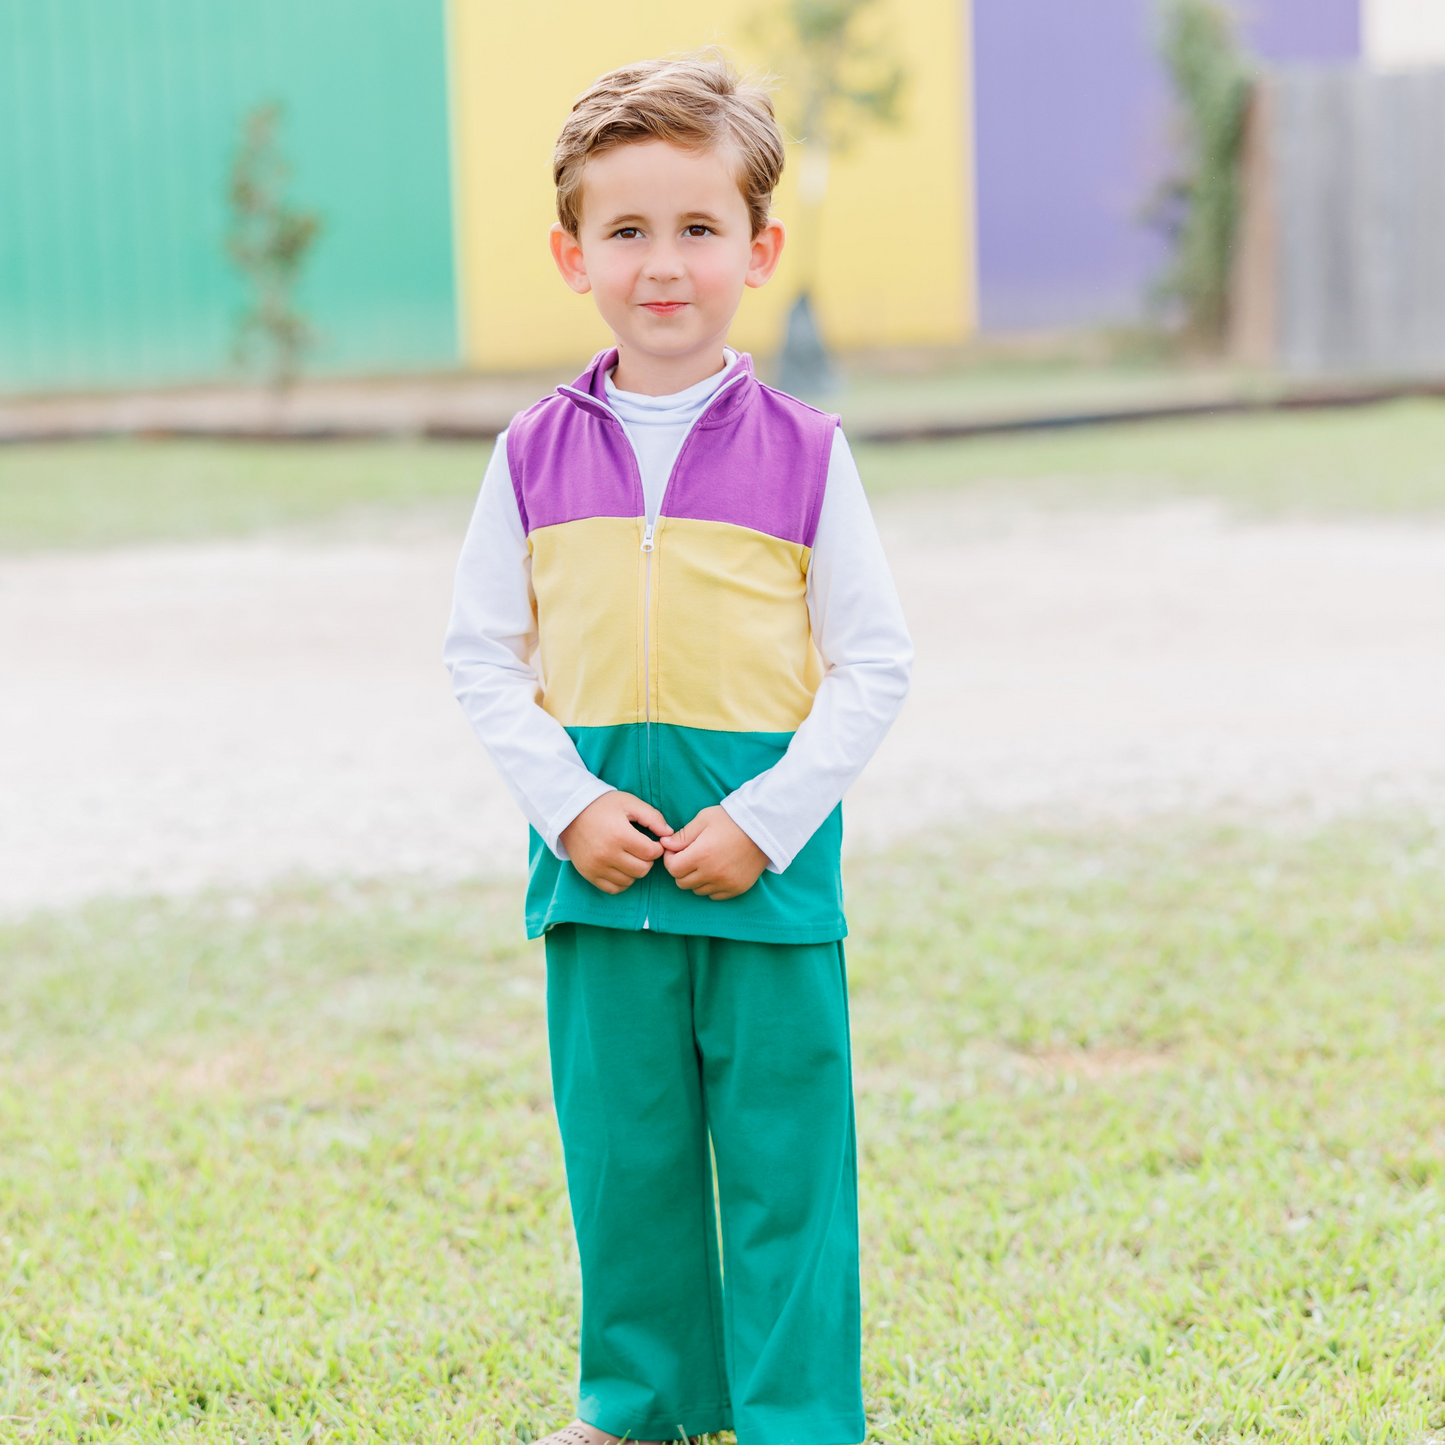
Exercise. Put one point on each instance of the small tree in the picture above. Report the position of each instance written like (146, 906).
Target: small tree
(843, 77)
(269, 242)
(1199, 207)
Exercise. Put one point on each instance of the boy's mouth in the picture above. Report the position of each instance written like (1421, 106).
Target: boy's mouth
(663, 308)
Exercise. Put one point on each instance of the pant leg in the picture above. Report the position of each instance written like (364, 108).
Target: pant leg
(626, 1079)
(772, 1027)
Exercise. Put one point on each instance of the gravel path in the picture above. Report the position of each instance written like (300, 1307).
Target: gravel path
(174, 717)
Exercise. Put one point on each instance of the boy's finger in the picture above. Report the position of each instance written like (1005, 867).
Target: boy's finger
(639, 845)
(648, 816)
(680, 865)
(694, 879)
(610, 879)
(626, 865)
(680, 839)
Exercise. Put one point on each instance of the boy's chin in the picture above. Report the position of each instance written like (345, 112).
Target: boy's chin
(663, 332)
(665, 342)
(678, 334)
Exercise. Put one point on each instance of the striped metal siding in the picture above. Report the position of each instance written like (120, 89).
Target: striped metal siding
(118, 120)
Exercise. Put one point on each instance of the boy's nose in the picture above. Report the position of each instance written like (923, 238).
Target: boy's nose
(663, 264)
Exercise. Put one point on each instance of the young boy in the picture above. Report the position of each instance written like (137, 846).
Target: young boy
(676, 635)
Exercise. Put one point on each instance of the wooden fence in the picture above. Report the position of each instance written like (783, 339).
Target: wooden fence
(1341, 262)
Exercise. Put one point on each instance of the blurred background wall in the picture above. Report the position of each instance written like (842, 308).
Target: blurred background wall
(1013, 194)
(409, 124)
(896, 259)
(118, 119)
(1073, 137)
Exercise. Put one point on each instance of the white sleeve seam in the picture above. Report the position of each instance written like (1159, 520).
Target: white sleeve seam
(736, 809)
(585, 795)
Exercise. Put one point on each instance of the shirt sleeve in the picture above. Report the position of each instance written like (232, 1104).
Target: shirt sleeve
(490, 641)
(858, 626)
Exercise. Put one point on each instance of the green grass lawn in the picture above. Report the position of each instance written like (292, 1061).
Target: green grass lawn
(1029, 385)
(87, 494)
(1388, 458)
(1152, 1126)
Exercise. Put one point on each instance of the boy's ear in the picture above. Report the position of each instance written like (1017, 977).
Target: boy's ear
(567, 253)
(766, 252)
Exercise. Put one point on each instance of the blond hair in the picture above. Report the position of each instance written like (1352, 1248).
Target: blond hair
(698, 102)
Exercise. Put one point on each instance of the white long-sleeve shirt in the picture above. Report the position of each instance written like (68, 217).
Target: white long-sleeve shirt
(856, 618)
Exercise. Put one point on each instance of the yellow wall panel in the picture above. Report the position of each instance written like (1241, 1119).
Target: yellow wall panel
(896, 261)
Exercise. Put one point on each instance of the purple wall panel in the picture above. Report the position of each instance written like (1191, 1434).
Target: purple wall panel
(1072, 136)
(1283, 30)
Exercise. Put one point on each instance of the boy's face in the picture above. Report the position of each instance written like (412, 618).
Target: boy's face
(665, 248)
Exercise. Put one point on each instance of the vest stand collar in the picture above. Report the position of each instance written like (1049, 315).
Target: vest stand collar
(589, 392)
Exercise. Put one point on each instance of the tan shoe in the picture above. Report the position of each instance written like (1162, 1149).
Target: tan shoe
(575, 1434)
(579, 1434)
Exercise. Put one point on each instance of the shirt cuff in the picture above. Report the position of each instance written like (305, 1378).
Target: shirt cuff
(586, 794)
(751, 824)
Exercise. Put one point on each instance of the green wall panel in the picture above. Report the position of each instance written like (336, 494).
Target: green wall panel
(118, 121)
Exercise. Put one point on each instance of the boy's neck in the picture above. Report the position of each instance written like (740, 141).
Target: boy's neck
(663, 375)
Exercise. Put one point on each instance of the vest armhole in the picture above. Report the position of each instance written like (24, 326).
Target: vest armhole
(820, 484)
(514, 471)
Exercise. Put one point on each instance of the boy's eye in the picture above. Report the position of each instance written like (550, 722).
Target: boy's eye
(627, 232)
(699, 231)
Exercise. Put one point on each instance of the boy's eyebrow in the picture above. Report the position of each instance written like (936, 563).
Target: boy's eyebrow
(633, 218)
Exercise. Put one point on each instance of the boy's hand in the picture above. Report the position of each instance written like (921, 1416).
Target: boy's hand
(713, 857)
(608, 851)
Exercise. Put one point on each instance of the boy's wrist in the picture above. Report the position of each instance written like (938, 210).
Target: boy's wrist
(739, 812)
(586, 794)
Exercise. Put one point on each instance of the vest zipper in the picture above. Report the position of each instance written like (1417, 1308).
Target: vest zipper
(648, 543)
(649, 529)
(648, 547)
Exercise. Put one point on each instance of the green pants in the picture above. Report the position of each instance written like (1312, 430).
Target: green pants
(661, 1042)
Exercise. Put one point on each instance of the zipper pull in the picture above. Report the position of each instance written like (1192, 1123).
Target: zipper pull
(647, 536)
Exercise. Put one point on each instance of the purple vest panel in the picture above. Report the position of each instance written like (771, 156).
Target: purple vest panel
(756, 458)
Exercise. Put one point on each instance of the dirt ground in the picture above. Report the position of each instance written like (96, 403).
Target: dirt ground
(176, 717)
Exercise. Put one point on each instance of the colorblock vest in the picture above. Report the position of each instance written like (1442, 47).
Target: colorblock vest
(678, 656)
